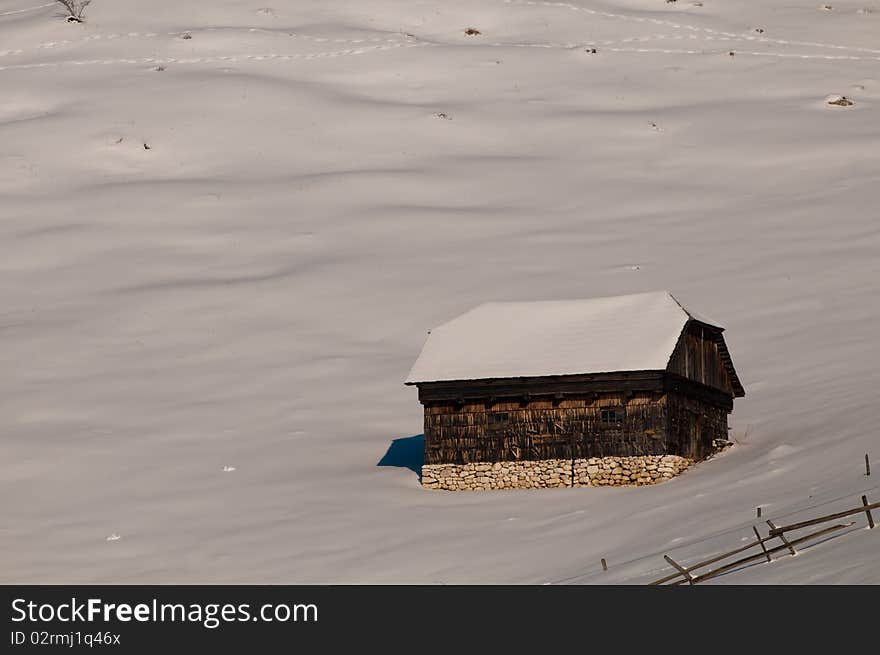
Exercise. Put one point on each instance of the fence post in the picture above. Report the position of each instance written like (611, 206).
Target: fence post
(604, 564)
(868, 512)
(867, 465)
(782, 537)
(761, 543)
(759, 512)
(680, 568)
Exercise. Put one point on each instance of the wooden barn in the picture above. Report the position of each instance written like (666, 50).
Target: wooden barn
(631, 376)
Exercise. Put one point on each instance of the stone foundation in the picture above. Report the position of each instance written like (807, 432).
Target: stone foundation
(594, 472)
(619, 471)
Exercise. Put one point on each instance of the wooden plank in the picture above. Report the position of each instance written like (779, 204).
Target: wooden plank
(775, 532)
(707, 562)
(680, 568)
(513, 390)
(783, 538)
(868, 512)
(538, 432)
(724, 353)
(611, 380)
(577, 377)
(761, 541)
(746, 560)
(697, 356)
(677, 383)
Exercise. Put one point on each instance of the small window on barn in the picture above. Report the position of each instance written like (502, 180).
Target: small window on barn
(611, 416)
(498, 423)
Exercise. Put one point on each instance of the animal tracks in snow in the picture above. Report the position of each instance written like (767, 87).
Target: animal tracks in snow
(26, 9)
(695, 36)
(113, 36)
(214, 59)
(603, 46)
(783, 55)
(688, 27)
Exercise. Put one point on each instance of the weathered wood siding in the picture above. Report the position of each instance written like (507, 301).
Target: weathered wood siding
(697, 357)
(693, 426)
(589, 425)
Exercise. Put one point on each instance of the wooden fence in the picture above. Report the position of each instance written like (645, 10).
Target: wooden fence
(687, 574)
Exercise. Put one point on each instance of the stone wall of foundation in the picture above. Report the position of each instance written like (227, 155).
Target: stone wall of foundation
(618, 471)
(500, 475)
(593, 472)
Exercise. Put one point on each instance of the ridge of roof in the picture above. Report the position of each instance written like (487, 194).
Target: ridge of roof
(701, 318)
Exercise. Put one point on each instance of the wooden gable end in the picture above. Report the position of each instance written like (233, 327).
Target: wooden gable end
(702, 356)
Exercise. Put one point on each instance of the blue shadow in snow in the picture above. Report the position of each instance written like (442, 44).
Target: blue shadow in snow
(406, 452)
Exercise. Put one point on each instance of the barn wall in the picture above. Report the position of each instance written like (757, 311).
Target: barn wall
(693, 425)
(545, 429)
(697, 357)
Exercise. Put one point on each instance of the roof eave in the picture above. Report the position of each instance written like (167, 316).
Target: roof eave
(600, 374)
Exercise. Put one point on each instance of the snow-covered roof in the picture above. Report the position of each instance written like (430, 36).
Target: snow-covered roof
(556, 337)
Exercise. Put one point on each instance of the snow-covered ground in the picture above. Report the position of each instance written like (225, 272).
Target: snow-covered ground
(224, 251)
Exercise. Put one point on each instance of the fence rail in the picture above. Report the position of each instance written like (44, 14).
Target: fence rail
(685, 574)
(830, 517)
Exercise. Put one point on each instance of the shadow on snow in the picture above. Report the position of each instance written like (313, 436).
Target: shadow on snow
(406, 452)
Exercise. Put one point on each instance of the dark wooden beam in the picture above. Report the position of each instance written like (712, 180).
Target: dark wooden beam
(585, 377)
(545, 386)
(679, 384)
